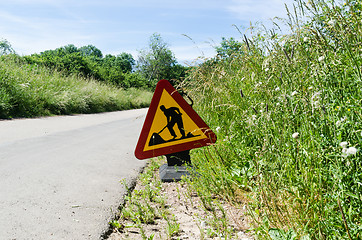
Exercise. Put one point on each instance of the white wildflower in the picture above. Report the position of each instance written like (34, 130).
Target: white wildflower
(295, 135)
(351, 151)
(310, 88)
(321, 58)
(277, 89)
(218, 129)
(24, 85)
(294, 93)
(347, 151)
(332, 22)
(343, 144)
(266, 69)
(252, 120)
(344, 152)
(339, 122)
(315, 104)
(305, 39)
(315, 99)
(316, 95)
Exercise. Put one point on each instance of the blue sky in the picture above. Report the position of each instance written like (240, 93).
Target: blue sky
(115, 26)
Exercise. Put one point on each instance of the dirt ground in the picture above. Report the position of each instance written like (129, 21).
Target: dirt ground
(194, 222)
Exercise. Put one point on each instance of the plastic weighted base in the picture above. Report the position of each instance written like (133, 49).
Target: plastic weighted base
(172, 173)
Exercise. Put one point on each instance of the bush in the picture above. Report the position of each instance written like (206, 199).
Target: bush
(28, 90)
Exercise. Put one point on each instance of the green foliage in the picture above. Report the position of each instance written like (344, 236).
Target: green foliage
(282, 109)
(280, 234)
(118, 70)
(88, 61)
(228, 48)
(28, 90)
(117, 225)
(46, 83)
(158, 62)
(5, 48)
(91, 51)
(124, 62)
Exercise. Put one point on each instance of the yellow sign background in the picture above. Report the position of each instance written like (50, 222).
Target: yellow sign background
(160, 121)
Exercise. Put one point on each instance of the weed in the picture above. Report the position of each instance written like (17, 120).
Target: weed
(279, 138)
(116, 224)
(146, 205)
(173, 228)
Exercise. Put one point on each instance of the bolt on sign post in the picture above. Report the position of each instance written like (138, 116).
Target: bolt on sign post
(172, 128)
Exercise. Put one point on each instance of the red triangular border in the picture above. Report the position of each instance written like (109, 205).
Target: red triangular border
(166, 85)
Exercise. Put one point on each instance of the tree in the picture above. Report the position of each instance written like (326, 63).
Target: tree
(88, 61)
(157, 61)
(68, 49)
(68, 59)
(125, 61)
(5, 47)
(228, 48)
(91, 51)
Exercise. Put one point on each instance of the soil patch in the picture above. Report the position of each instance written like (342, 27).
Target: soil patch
(186, 216)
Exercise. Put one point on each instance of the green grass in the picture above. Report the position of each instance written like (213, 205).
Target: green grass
(29, 90)
(298, 186)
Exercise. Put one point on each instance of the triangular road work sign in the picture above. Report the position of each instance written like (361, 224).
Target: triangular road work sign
(171, 125)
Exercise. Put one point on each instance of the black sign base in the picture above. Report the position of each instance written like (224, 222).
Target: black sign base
(175, 167)
(172, 173)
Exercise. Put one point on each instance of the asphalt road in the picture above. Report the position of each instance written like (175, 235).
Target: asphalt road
(60, 176)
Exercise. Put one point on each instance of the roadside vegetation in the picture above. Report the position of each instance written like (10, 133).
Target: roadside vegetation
(172, 210)
(286, 109)
(28, 90)
(145, 205)
(287, 112)
(71, 80)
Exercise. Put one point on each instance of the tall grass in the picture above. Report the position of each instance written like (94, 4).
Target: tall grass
(29, 90)
(287, 111)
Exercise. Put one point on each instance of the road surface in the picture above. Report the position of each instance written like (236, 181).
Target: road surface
(60, 176)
